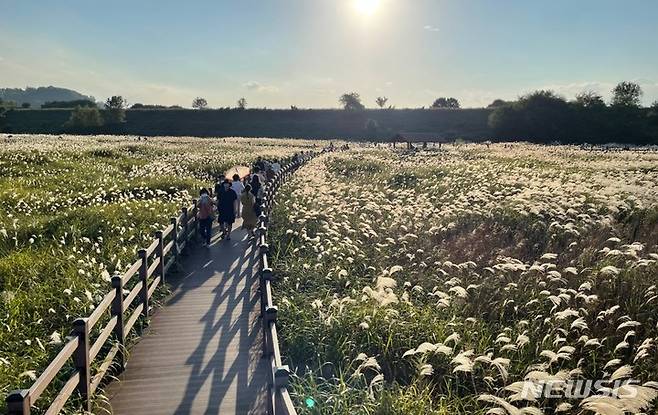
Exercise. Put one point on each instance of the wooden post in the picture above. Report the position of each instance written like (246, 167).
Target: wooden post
(174, 236)
(159, 252)
(185, 225)
(18, 402)
(117, 310)
(281, 376)
(270, 317)
(81, 360)
(195, 209)
(143, 276)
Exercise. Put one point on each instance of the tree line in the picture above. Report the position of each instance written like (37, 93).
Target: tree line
(540, 116)
(544, 116)
(87, 118)
(351, 101)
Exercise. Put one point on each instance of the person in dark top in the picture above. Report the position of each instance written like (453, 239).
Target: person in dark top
(226, 206)
(257, 191)
(259, 164)
(218, 185)
(269, 173)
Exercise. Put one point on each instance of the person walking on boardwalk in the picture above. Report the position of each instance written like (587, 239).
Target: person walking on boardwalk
(218, 184)
(238, 188)
(259, 165)
(257, 191)
(249, 217)
(269, 173)
(276, 166)
(226, 206)
(204, 214)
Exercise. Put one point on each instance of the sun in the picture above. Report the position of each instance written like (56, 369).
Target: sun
(367, 7)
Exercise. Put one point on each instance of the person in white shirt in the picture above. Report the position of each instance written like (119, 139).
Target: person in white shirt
(276, 166)
(238, 188)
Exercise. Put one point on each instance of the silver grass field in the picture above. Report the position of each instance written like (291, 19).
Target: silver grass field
(514, 279)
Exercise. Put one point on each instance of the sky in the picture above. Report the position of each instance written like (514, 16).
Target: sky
(278, 53)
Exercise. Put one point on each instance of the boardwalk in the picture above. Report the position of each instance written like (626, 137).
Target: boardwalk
(202, 353)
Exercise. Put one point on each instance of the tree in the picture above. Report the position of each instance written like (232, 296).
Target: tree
(69, 104)
(351, 101)
(242, 103)
(140, 106)
(25, 105)
(115, 112)
(541, 116)
(116, 102)
(626, 94)
(199, 103)
(84, 119)
(3, 122)
(381, 101)
(446, 103)
(652, 114)
(498, 103)
(7, 104)
(590, 99)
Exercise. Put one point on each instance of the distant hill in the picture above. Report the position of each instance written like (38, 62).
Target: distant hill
(37, 96)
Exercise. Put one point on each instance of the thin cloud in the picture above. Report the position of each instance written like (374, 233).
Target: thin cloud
(431, 28)
(257, 86)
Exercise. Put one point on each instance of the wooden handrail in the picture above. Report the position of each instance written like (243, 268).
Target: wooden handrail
(279, 397)
(286, 401)
(276, 353)
(131, 271)
(102, 338)
(64, 394)
(166, 231)
(151, 248)
(102, 370)
(132, 295)
(78, 347)
(169, 263)
(101, 308)
(49, 373)
(167, 248)
(133, 318)
(153, 267)
(154, 285)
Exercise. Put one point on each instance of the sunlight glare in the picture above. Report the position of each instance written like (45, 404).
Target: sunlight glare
(367, 7)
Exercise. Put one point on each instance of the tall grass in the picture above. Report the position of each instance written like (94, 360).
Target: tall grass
(428, 282)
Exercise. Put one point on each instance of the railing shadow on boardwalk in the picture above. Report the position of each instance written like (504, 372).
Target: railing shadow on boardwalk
(206, 339)
(234, 299)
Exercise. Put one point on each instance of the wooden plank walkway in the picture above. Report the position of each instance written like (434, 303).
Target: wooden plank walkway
(202, 352)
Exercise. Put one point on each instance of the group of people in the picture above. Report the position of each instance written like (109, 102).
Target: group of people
(233, 198)
(237, 197)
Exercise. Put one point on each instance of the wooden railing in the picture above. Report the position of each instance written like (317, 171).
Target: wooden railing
(85, 344)
(279, 401)
(125, 309)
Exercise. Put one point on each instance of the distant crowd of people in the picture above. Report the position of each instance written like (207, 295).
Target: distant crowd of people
(238, 197)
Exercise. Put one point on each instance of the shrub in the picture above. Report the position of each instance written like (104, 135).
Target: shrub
(84, 119)
(69, 104)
